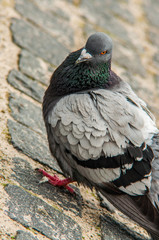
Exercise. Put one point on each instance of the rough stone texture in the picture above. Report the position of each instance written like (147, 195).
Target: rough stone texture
(152, 11)
(23, 235)
(112, 230)
(121, 56)
(153, 37)
(35, 67)
(157, 83)
(40, 43)
(55, 10)
(116, 9)
(156, 59)
(26, 85)
(27, 113)
(49, 22)
(32, 144)
(29, 179)
(33, 212)
(97, 12)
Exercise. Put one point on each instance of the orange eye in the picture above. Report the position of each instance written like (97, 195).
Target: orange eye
(104, 52)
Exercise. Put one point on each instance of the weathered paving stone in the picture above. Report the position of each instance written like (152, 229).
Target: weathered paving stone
(49, 22)
(38, 41)
(51, 7)
(113, 230)
(27, 113)
(128, 77)
(26, 85)
(31, 144)
(156, 58)
(134, 64)
(33, 212)
(23, 235)
(35, 67)
(151, 9)
(157, 83)
(117, 9)
(153, 38)
(29, 179)
(97, 13)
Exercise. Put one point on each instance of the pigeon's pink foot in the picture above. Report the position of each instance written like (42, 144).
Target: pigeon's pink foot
(55, 181)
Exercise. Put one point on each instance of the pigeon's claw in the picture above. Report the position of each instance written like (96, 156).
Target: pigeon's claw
(55, 181)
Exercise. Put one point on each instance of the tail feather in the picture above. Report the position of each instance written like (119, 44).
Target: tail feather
(138, 208)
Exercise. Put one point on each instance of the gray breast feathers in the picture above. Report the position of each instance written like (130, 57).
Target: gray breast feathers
(99, 125)
(100, 122)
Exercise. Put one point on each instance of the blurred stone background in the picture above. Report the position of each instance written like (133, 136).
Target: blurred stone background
(35, 37)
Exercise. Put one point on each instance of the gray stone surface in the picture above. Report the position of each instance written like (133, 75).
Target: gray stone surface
(26, 85)
(113, 230)
(151, 8)
(121, 56)
(53, 9)
(27, 113)
(49, 22)
(33, 212)
(23, 235)
(157, 83)
(35, 67)
(29, 179)
(119, 10)
(37, 41)
(153, 37)
(31, 144)
(156, 59)
(97, 12)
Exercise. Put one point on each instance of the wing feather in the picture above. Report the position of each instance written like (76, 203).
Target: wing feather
(139, 209)
(107, 135)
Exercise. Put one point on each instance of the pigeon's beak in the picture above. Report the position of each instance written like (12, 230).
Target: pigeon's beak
(84, 56)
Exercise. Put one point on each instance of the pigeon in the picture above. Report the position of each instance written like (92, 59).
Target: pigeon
(102, 134)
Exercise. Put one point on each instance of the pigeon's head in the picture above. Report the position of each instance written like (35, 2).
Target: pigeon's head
(98, 49)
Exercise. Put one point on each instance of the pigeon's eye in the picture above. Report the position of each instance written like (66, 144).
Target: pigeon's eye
(104, 52)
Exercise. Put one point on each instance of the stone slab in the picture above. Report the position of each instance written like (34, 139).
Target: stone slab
(152, 13)
(23, 235)
(55, 25)
(153, 36)
(35, 67)
(53, 8)
(31, 144)
(26, 85)
(113, 230)
(128, 58)
(115, 8)
(157, 83)
(32, 212)
(38, 41)
(30, 179)
(98, 13)
(27, 113)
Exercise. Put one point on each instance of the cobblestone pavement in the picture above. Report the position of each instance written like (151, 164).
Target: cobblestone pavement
(36, 36)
